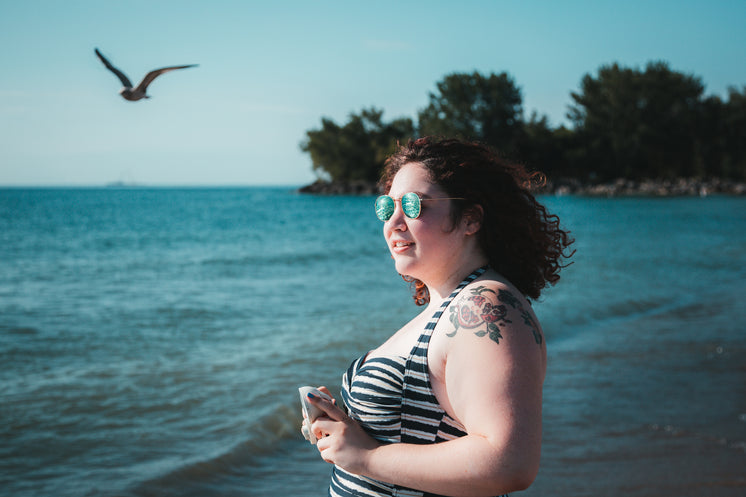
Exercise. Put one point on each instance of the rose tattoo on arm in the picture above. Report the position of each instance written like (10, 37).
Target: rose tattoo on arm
(485, 312)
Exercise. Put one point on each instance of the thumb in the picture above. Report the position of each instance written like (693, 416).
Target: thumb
(329, 407)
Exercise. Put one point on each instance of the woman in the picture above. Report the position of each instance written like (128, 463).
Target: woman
(451, 403)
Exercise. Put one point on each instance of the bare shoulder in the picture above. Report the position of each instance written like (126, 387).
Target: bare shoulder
(491, 308)
(492, 357)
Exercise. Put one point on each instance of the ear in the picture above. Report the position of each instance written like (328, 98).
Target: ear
(472, 219)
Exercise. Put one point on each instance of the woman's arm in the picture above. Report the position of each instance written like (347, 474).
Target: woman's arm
(494, 387)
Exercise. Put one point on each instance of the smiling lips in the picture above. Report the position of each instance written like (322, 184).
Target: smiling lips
(400, 246)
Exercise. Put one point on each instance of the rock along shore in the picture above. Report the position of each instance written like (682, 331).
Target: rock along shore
(320, 187)
(681, 187)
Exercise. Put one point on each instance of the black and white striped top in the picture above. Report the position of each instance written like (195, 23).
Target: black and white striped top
(393, 400)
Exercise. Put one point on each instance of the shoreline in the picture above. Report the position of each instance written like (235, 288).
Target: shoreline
(680, 187)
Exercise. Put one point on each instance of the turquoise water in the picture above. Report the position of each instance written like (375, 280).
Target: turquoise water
(152, 340)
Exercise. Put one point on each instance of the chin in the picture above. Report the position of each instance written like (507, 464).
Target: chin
(406, 267)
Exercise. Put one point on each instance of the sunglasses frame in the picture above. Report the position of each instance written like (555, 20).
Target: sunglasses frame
(411, 205)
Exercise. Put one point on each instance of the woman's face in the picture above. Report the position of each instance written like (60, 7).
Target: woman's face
(426, 247)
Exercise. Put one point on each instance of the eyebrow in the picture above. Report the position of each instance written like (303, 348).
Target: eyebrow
(420, 194)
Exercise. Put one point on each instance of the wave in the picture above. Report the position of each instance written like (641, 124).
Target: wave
(275, 258)
(20, 330)
(284, 258)
(563, 319)
(273, 434)
(731, 441)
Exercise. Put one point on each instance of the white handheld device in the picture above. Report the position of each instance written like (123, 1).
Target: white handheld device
(310, 411)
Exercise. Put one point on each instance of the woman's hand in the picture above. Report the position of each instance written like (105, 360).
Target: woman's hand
(341, 440)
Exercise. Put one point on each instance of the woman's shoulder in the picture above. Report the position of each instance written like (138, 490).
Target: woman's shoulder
(491, 307)
(493, 282)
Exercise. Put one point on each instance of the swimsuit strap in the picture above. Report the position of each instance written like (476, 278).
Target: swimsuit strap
(422, 417)
(436, 317)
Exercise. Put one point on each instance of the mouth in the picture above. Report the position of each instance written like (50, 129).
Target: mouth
(400, 246)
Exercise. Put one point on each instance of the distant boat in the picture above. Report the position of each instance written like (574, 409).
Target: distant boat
(123, 184)
(138, 92)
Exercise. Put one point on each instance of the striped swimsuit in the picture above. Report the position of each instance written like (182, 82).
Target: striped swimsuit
(393, 400)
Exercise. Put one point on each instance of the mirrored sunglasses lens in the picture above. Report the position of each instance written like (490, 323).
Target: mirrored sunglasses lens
(384, 207)
(410, 204)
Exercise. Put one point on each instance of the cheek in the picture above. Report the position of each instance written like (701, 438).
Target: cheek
(386, 230)
(447, 224)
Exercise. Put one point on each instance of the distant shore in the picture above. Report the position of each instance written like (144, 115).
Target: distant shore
(681, 187)
(320, 187)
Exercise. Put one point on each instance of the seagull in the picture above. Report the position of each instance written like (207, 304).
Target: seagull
(138, 92)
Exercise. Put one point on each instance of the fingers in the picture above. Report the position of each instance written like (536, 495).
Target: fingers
(326, 391)
(329, 407)
(327, 423)
(324, 427)
(323, 443)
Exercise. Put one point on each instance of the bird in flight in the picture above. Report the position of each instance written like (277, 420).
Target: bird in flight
(138, 92)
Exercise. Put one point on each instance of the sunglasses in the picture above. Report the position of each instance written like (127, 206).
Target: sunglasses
(411, 205)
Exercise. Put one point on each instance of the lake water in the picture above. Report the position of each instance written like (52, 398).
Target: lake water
(152, 340)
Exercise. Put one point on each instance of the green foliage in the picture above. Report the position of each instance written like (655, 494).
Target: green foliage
(541, 147)
(733, 135)
(357, 150)
(472, 106)
(636, 124)
(626, 123)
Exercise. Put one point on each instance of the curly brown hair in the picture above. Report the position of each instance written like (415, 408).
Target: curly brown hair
(520, 238)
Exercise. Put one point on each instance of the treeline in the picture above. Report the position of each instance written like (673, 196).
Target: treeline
(625, 123)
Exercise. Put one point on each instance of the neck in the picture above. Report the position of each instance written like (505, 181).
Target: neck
(442, 287)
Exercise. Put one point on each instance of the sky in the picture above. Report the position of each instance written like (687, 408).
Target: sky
(269, 71)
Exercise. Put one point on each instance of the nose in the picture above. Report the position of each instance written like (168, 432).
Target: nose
(397, 221)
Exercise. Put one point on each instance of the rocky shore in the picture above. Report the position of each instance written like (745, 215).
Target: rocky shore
(681, 187)
(620, 188)
(320, 187)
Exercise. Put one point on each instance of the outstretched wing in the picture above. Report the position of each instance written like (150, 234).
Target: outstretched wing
(125, 81)
(155, 73)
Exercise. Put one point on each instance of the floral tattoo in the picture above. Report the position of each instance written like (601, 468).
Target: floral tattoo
(485, 312)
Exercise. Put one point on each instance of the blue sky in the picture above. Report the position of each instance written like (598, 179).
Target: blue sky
(269, 71)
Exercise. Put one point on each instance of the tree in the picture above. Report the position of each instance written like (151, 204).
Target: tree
(357, 150)
(472, 106)
(539, 147)
(637, 124)
(711, 136)
(734, 134)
